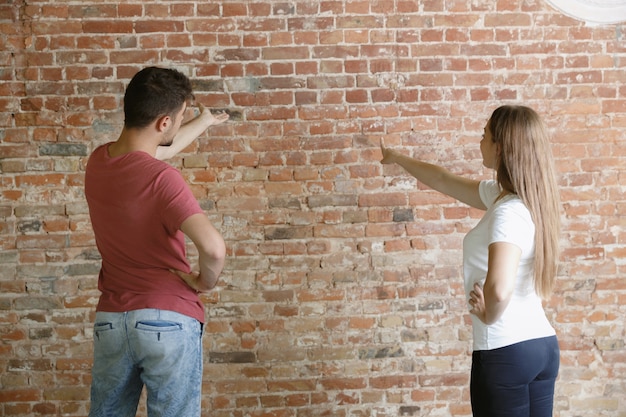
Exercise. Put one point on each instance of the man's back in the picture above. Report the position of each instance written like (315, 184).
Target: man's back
(137, 205)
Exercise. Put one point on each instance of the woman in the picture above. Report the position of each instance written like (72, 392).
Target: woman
(509, 263)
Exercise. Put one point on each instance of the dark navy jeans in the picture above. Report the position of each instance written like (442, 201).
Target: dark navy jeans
(516, 380)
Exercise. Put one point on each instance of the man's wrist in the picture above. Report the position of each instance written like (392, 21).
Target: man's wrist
(207, 117)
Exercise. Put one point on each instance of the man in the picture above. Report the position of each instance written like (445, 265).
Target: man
(149, 318)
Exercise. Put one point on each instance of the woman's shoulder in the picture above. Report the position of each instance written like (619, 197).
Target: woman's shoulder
(512, 207)
(489, 191)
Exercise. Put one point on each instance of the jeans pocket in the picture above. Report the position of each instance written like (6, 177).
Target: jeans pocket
(100, 328)
(158, 328)
(107, 339)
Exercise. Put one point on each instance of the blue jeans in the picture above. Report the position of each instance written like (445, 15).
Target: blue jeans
(516, 380)
(156, 348)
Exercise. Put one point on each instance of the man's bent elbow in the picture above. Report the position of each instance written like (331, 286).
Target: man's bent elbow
(212, 263)
(216, 250)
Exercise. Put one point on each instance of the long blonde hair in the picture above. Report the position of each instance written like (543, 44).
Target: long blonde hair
(526, 168)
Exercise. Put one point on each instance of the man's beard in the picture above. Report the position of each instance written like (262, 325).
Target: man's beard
(167, 141)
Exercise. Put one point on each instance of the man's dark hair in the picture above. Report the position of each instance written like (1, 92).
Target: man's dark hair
(154, 92)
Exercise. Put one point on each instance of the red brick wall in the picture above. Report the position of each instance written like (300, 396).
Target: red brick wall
(342, 294)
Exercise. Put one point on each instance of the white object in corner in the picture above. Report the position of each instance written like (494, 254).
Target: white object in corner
(594, 12)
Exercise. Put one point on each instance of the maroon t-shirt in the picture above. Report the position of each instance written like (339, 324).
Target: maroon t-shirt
(137, 204)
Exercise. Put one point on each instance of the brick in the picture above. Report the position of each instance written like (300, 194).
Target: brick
(66, 394)
(332, 200)
(284, 354)
(445, 380)
(387, 352)
(232, 357)
(343, 384)
(389, 382)
(12, 334)
(388, 199)
(41, 242)
(63, 149)
(291, 385)
(24, 395)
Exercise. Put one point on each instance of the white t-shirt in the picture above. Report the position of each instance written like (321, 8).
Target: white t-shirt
(507, 220)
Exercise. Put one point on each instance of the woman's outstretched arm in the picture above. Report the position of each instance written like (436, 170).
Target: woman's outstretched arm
(436, 177)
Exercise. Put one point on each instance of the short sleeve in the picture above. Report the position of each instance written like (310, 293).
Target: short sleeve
(489, 191)
(176, 200)
(511, 222)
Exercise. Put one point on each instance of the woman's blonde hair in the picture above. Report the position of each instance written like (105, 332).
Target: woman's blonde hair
(525, 167)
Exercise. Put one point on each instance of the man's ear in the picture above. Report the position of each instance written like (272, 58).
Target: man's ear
(163, 123)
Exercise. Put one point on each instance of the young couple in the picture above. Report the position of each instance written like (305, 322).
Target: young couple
(149, 319)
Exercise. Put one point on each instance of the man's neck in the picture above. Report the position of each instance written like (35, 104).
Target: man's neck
(132, 140)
